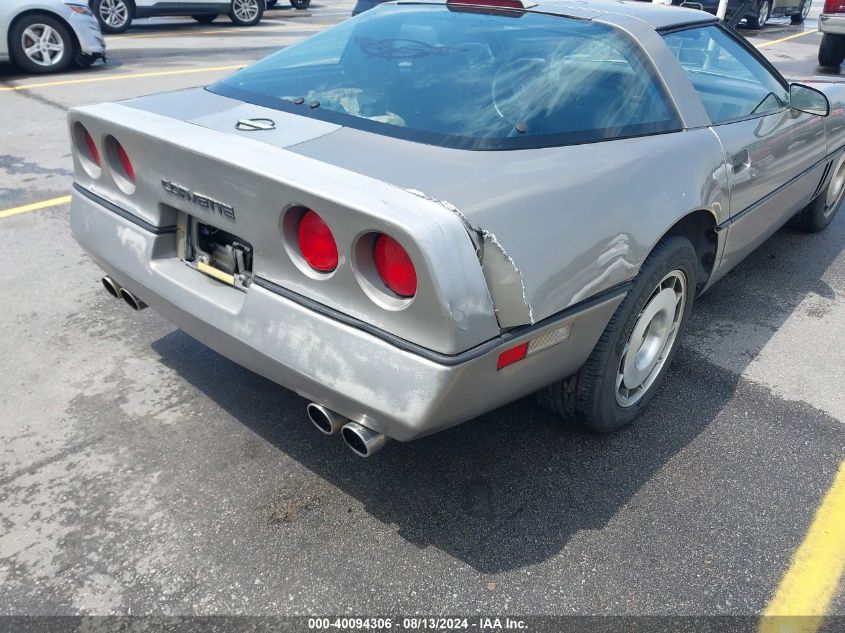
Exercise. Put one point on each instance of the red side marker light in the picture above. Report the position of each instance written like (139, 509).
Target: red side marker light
(512, 355)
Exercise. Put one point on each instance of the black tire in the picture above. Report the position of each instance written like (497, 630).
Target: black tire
(820, 212)
(831, 50)
(761, 16)
(207, 18)
(272, 3)
(49, 61)
(803, 10)
(301, 5)
(101, 11)
(257, 6)
(590, 396)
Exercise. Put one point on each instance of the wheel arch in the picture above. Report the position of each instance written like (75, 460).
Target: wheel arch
(29, 12)
(699, 227)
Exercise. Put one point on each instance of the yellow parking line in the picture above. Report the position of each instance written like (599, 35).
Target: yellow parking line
(88, 80)
(783, 39)
(808, 587)
(35, 206)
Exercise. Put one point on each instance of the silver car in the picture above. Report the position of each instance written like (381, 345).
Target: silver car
(42, 36)
(433, 209)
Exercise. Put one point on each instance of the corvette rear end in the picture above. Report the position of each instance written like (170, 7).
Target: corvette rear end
(434, 209)
(214, 236)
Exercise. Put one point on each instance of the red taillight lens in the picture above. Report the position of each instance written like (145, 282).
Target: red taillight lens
(395, 267)
(92, 147)
(834, 6)
(316, 243)
(510, 356)
(128, 170)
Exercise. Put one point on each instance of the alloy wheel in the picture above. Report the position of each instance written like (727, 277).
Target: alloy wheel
(114, 13)
(43, 45)
(245, 10)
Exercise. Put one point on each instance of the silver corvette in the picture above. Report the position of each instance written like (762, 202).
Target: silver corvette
(435, 208)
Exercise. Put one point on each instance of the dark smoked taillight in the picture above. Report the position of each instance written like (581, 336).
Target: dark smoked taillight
(316, 243)
(394, 266)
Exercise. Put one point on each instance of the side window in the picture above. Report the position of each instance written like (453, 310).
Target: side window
(732, 84)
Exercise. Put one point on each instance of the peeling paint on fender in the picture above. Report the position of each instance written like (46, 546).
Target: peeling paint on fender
(503, 277)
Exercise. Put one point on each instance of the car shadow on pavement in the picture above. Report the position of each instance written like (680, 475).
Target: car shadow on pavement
(511, 488)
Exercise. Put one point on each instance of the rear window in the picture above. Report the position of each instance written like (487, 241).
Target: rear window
(465, 79)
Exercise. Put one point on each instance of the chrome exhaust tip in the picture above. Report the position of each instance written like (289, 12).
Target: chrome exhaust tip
(326, 420)
(131, 300)
(363, 441)
(111, 286)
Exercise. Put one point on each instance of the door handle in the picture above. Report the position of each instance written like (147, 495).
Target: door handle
(740, 161)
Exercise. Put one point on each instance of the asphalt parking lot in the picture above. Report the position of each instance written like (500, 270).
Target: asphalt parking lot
(141, 473)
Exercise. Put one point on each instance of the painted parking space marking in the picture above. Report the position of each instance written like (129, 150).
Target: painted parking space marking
(87, 80)
(806, 591)
(35, 206)
(784, 39)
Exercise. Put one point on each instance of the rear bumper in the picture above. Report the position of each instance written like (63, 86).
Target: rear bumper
(832, 23)
(390, 387)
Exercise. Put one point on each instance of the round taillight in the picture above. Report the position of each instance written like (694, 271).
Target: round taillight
(128, 170)
(394, 266)
(316, 243)
(93, 152)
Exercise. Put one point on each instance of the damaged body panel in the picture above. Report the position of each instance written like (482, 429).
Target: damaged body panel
(432, 210)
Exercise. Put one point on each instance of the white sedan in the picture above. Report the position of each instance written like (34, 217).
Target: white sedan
(115, 16)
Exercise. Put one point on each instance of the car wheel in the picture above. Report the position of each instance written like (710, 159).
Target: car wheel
(41, 44)
(114, 16)
(831, 50)
(272, 3)
(798, 18)
(761, 16)
(206, 18)
(821, 211)
(246, 12)
(630, 359)
(300, 4)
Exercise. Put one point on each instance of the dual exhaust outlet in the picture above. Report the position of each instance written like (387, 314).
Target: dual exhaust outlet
(362, 440)
(116, 291)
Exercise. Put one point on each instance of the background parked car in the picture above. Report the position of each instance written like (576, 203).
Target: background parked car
(296, 4)
(366, 5)
(42, 36)
(832, 26)
(115, 16)
(760, 11)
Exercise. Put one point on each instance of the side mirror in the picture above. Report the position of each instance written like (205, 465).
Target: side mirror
(809, 100)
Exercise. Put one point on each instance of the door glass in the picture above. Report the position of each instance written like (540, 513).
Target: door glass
(732, 84)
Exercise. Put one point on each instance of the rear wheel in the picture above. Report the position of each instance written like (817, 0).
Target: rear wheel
(761, 16)
(803, 12)
(41, 44)
(272, 3)
(820, 212)
(114, 16)
(205, 19)
(300, 4)
(831, 50)
(631, 358)
(246, 12)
